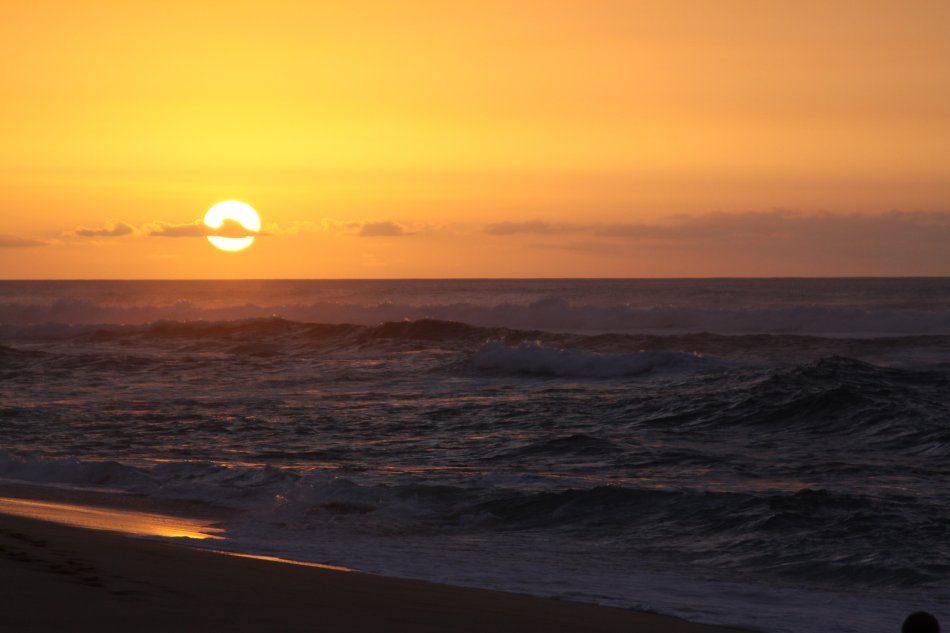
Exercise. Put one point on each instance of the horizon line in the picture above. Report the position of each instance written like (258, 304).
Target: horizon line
(398, 279)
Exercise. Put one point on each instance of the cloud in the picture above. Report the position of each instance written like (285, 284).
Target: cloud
(766, 227)
(380, 229)
(112, 228)
(229, 228)
(11, 241)
(777, 242)
(788, 226)
(358, 228)
(296, 228)
(712, 225)
(535, 227)
(164, 229)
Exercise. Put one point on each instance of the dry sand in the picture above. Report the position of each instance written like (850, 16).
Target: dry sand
(63, 578)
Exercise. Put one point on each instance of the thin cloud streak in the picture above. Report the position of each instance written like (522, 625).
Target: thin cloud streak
(788, 226)
(533, 227)
(779, 224)
(11, 241)
(380, 229)
(112, 228)
(233, 229)
(229, 228)
(782, 240)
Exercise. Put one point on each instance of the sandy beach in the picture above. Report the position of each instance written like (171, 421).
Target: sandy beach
(57, 577)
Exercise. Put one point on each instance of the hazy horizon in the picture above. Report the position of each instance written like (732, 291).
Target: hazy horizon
(408, 279)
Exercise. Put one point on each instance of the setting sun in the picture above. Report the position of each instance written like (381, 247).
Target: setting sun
(237, 214)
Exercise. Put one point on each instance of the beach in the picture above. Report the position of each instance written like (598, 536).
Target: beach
(57, 577)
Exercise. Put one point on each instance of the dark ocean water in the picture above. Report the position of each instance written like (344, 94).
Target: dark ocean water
(768, 453)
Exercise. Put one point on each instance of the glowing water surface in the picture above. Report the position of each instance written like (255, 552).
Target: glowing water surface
(124, 521)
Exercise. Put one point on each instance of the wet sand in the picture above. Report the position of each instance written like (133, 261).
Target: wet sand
(59, 577)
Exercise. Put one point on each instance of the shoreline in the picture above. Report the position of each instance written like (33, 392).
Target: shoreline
(61, 577)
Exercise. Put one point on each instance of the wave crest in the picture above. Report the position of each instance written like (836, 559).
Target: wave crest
(534, 359)
(551, 314)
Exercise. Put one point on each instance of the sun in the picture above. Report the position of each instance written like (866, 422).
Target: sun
(232, 211)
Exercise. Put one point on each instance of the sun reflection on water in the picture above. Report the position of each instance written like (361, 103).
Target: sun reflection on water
(124, 521)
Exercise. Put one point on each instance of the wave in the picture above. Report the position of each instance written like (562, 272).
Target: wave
(551, 314)
(429, 345)
(270, 329)
(277, 330)
(721, 530)
(534, 359)
(11, 354)
(576, 445)
(69, 471)
(194, 481)
(874, 408)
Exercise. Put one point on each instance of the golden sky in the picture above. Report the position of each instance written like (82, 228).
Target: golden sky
(442, 139)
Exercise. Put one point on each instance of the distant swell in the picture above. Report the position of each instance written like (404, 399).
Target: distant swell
(555, 314)
(495, 349)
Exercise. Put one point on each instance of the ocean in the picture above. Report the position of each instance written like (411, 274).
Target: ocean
(769, 453)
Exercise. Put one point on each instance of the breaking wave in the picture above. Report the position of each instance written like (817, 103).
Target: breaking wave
(726, 530)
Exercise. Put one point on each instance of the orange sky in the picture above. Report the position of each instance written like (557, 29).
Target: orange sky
(435, 139)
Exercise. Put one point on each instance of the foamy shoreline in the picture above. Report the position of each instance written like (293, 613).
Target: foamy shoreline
(60, 577)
